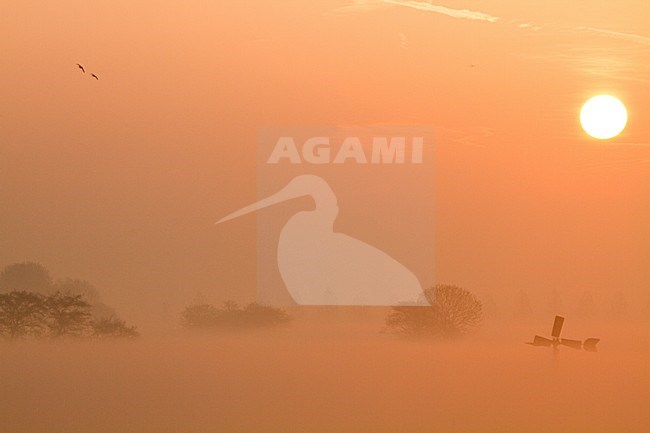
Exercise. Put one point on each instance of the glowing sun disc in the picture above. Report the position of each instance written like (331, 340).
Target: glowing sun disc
(603, 117)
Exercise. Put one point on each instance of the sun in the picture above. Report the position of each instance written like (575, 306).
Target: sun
(603, 117)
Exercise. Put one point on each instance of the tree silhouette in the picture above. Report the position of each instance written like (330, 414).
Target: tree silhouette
(68, 315)
(453, 311)
(263, 315)
(25, 277)
(231, 315)
(21, 314)
(199, 316)
(31, 305)
(73, 286)
(113, 327)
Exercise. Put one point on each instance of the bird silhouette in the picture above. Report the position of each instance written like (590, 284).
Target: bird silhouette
(82, 68)
(322, 267)
(94, 76)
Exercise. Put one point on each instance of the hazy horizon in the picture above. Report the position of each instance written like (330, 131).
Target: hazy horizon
(119, 181)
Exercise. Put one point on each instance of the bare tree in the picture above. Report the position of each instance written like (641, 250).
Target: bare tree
(21, 314)
(453, 311)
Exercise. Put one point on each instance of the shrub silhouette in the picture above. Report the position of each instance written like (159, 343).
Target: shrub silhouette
(231, 315)
(113, 327)
(453, 311)
(199, 316)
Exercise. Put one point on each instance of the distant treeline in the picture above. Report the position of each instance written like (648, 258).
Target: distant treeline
(33, 305)
(444, 311)
(583, 304)
(24, 314)
(232, 316)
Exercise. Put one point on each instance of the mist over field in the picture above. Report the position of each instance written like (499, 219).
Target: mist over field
(372, 166)
(332, 371)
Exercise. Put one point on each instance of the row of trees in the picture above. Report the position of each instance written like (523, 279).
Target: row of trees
(584, 305)
(34, 277)
(231, 315)
(24, 314)
(445, 311)
(33, 304)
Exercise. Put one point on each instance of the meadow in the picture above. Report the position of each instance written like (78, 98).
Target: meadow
(331, 372)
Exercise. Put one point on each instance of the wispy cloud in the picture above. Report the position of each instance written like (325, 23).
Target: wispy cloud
(616, 163)
(611, 162)
(529, 26)
(368, 5)
(357, 6)
(625, 61)
(618, 35)
(454, 13)
(618, 144)
(620, 62)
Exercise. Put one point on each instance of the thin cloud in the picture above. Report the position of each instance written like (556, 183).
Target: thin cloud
(529, 26)
(368, 5)
(644, 40)
(454, 13)
(357, 6)
(621, 63)
(616, 163)
(615, 144)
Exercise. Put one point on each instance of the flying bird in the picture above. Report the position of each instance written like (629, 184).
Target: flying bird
(82, 68)
(94, 76)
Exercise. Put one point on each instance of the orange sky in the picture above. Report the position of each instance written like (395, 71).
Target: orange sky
(119, 181)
